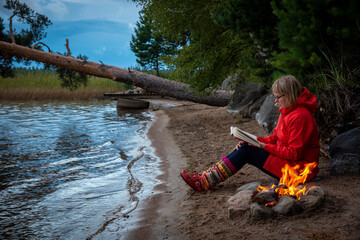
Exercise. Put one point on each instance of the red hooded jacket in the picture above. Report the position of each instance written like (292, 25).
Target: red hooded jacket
(295, 139)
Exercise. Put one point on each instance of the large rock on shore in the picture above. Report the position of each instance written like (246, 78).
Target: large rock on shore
(243, 99)
(251, 100)
(239, 204)
(229, 84)
(345, 153)
(268, 114)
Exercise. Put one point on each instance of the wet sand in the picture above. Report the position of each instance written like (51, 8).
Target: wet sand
(160, 214)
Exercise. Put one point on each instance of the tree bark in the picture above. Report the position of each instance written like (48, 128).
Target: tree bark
(145, 81)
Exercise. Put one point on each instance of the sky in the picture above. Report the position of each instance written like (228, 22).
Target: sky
(99, 29)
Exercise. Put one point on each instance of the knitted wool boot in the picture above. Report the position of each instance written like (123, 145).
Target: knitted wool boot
(217, 173)
(211, 177)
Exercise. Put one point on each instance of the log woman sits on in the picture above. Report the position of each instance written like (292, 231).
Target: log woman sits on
(294, 141)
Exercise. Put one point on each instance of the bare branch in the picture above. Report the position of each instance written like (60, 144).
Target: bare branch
(33, 46)
(11, 29)
(67, 47)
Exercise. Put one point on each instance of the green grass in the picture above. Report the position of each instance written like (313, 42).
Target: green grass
(42, 84)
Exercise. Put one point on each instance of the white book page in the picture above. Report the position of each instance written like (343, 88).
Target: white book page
(245, 136)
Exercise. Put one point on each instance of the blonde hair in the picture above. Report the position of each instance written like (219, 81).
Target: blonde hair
(289, 86)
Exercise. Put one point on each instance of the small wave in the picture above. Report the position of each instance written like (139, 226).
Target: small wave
(47, 151)
(111, 161)
(133, 186)
(98, 156)
(72, 169)
(105, 144)
(64, 161)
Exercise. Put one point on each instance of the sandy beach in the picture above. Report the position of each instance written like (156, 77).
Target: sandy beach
(195, 136)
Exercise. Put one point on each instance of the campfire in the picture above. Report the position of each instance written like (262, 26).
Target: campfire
(289, 197)
(290, 184)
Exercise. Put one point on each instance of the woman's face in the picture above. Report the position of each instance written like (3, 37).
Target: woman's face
(280, 100)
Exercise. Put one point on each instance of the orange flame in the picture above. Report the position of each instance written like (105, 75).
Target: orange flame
(290, 180)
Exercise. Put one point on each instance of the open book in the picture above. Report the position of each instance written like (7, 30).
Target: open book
(244, 136)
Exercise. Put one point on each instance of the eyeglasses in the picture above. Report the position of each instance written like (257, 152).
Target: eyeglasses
(277, 98)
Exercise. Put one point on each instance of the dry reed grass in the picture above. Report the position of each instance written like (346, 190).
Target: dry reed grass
(43, 94)
(45, 85)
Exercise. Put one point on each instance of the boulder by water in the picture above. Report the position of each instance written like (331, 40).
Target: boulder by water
(229, 84)
(244, 97)
(345, 153)
(268, 114)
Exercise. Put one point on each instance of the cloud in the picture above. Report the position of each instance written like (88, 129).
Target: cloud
(55, 10)
(76, 1)
(100, 29)
(121, 11)
(101, 51)
(34, 4)
(99, 40)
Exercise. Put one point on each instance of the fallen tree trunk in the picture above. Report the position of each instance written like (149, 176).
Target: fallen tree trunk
(147, 82)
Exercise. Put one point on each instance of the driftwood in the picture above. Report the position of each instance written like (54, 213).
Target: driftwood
(145, 81)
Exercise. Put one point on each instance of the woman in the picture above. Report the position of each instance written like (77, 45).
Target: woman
(294, 141)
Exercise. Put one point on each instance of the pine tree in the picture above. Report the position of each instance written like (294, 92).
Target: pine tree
(149, 47)
(209, 52)
(311, 31)
(27, 37)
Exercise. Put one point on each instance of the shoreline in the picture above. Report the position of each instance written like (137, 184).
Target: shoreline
(197, 136)
(159, 214)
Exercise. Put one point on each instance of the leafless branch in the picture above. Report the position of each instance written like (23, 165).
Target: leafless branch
(11, 29)
(67, 47)
(33, 46)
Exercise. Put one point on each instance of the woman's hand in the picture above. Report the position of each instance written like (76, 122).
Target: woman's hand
(238, 145)
(262, 145)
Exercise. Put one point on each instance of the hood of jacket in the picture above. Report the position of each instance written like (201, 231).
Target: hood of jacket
(306, 100)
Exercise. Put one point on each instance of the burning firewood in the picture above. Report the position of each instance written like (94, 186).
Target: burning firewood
(290, 184)
(268, 197)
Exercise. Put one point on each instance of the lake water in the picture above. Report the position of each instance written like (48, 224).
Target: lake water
(72, 170)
